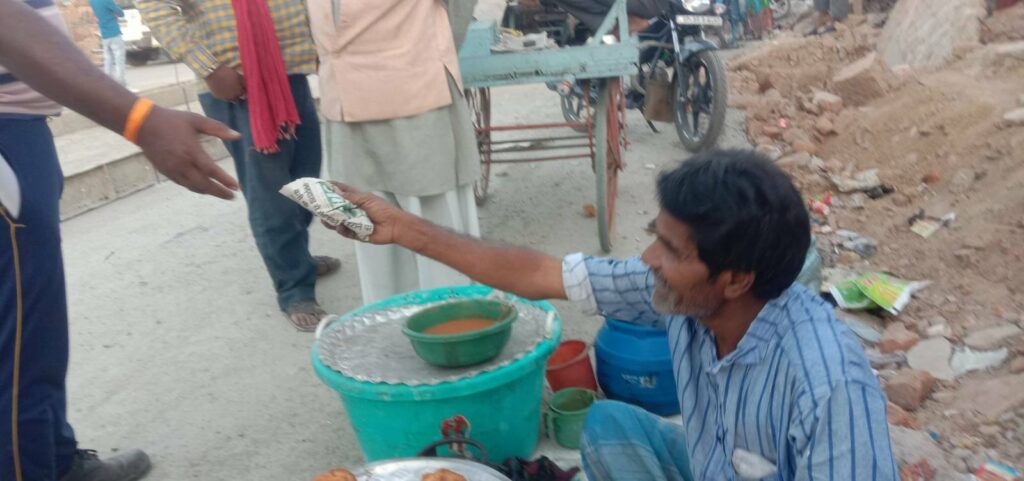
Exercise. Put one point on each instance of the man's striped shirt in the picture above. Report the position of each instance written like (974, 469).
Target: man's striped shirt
(798, 390)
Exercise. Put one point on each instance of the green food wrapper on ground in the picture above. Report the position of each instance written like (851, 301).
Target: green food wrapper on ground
(889, 292)
(849, 296)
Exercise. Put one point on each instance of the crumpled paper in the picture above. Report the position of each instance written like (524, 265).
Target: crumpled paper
(319, 197)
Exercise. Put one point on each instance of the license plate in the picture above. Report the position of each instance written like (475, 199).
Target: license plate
(702, 20)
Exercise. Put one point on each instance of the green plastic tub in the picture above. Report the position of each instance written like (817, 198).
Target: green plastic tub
(397, 420)
(466, 348)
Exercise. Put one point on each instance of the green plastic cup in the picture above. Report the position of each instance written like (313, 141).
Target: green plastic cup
(566, 413)
(466, 348)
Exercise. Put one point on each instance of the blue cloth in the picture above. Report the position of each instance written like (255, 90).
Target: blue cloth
(45, 440)
(798, 390)
(279, 225)
(107, 12)
(623, 442)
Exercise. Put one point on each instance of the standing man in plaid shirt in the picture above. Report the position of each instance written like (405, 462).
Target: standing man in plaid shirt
(204, 34)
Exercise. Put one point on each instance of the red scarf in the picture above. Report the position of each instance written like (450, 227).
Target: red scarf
(272, 112)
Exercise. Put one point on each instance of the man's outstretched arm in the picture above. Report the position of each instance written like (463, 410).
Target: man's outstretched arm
(524, 272)
(38, 54)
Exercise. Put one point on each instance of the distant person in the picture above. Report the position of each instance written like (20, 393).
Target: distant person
(39, 69)
(257, 85)
(829, 12)
(107, 12)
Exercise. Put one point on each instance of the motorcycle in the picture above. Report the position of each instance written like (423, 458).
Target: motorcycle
(680, 77)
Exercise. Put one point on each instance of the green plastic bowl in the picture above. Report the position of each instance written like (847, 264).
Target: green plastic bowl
(466, 348)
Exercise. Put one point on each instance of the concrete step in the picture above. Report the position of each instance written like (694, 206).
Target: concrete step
(101, 167)
(165, 96)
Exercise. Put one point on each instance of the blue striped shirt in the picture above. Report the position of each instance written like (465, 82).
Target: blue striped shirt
(797, 391)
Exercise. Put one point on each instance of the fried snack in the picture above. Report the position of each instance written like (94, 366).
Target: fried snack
(443, 475)
(336, 475)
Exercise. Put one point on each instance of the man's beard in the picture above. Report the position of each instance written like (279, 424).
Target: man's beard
(701, 305)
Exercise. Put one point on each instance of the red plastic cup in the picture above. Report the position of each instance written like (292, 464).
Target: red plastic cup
(569, 366)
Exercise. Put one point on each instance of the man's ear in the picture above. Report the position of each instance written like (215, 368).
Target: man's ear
(735, 284)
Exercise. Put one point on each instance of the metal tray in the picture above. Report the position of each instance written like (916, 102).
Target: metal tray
(412, 469)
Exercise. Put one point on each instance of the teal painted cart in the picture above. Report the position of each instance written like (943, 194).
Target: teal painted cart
(600, 134)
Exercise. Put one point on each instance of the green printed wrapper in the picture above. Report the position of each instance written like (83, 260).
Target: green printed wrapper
(319, 197)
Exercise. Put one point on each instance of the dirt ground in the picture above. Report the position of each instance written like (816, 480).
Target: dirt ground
(937, 137)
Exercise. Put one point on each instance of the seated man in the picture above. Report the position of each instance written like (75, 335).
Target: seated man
(765, 371)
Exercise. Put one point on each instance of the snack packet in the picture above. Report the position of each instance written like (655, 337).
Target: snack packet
(890, 293)
(849, 296)
(319, 197)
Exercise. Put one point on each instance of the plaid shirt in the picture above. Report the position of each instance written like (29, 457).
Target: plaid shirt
(201, 33)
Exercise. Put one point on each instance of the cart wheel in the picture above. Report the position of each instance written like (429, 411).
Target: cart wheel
(479, 101)
(609, 123)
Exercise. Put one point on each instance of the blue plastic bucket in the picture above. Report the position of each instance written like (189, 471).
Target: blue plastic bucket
(396, 420)
(634, 365)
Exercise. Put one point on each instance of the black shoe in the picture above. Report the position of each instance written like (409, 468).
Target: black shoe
(128, 466)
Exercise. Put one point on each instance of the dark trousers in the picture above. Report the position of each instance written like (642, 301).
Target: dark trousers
(279, 225)
(33, 312)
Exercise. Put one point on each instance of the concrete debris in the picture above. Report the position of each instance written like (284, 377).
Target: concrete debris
(961, 181)
(827, 101)
(861, 244)
(798, 159)
(967, 360)
(932, 355)
(922, 33)
(1014, 118)
(824, 126)
(992, 337)
(862, 81)
(862, 330)
(910, 447)
(772, 151)
(879, 360)
(991, 397)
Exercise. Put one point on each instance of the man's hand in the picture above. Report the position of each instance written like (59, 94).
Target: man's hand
(170, 140)
(226, 83)
(520, 271)
(387, 218)
(720, 8)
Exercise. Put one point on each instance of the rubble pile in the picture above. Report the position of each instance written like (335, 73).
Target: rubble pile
(911, 158)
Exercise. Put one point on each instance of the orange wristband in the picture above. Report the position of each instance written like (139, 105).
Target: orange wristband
(138, 115)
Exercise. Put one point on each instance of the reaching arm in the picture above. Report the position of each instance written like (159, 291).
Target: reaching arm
(45, 59)
(116, 9)
(523, 272)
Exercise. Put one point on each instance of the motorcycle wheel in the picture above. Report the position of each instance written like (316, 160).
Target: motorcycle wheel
(699, 100)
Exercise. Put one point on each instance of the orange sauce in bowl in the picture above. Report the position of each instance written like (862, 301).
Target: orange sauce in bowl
(459, 326)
